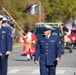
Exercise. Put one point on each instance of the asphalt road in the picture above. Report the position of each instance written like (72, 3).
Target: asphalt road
(18, 65)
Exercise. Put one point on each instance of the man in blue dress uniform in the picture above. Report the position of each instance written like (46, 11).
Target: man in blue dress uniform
(48, 51)
(5, 47)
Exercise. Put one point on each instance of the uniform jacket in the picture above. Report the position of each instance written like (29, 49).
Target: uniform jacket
(48, 49)
(5, 40)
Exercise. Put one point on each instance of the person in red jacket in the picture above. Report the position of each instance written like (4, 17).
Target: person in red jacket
(72, 37)
(29, 40)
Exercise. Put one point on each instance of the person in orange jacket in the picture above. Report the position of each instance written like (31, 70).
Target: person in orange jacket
(29, 39)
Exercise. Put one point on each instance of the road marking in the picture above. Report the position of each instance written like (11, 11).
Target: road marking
(36, 71)
(57, 72)
(14, 71)
(60, 72)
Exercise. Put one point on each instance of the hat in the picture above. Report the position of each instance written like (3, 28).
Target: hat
(4, 19)
(1, 17)
(48, 27)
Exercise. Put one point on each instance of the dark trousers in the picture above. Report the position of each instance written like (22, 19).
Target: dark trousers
(47, 70)
(3, 64)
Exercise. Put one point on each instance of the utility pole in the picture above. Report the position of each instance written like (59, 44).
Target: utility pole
(39, 11)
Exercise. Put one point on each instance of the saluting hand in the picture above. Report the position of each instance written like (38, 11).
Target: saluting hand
(8, 52)
(0, 54)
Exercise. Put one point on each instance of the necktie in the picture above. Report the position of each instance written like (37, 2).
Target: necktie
(46, 37)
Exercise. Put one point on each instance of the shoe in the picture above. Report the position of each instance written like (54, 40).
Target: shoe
(28, 59)
(31, 57)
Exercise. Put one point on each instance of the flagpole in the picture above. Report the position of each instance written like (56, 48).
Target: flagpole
(39, 11)
(13, 19)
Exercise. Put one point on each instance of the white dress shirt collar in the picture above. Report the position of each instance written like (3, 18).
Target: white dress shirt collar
(0, 26)
(48, 36)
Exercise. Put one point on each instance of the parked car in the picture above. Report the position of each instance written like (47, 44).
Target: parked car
(40, 31)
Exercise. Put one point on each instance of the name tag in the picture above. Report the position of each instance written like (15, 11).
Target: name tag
(41, 41)
(52, 40)
(3, 32)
